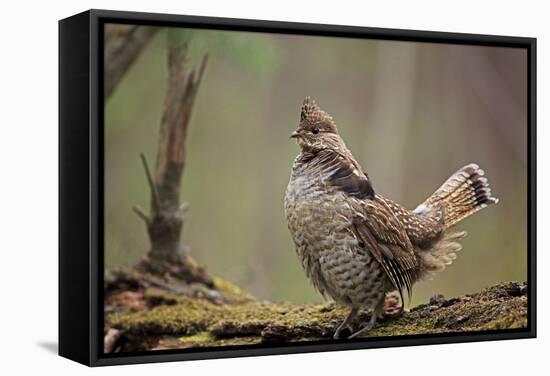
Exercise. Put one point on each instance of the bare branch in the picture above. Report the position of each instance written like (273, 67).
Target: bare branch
(181, 90)
(155, 204)
(141, 214)
(123, 44)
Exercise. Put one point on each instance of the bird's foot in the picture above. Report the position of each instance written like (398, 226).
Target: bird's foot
(363, 331)
(376, 312)
(343, 331)
(346, 328)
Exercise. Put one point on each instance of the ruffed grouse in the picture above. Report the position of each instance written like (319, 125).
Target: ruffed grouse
(354, 244)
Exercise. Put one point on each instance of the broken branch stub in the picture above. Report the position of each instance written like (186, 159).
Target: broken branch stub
(165, 221)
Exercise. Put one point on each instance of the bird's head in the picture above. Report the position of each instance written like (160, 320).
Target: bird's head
(316, 130)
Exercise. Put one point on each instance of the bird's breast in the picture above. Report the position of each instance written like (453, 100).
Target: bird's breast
(318, 216)
(320, 220)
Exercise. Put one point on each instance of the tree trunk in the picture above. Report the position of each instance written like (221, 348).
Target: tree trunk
(167, 255)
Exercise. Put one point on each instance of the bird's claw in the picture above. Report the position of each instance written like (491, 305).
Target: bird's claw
(341, 332)
(362, 331)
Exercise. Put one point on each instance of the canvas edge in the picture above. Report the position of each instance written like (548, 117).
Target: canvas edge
(74, 220)
(93, 347)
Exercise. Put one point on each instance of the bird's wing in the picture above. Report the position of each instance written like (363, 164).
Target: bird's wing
(422, 229)
(344, 175)
(387, 240)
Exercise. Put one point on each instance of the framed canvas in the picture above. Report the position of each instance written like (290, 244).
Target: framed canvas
(235, 187)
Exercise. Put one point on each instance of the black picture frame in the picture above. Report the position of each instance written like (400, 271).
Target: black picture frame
(81, 182)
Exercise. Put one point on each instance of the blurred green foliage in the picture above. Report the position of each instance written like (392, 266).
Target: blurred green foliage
(248, 51)
(412, 113)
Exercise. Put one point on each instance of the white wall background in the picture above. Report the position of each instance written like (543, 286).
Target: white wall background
(28, 191)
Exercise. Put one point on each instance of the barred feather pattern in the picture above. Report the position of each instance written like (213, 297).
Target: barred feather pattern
(466, 192)
(321, 220)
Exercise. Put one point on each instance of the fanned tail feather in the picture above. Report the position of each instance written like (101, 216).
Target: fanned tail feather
(466, 192)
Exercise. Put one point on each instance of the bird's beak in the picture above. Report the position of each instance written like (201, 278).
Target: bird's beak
(295, 134)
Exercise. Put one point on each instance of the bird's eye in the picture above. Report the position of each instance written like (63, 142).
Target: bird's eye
(315, 130)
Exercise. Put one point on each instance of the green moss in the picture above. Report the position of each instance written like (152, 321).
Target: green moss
(206, 339)
(189, 316)
(199, 338)
(404, 326)
(157, 296)
(506, 322)
(231, 290)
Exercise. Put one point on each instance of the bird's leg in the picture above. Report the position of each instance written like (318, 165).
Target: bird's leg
(378, 310)
(346, 324)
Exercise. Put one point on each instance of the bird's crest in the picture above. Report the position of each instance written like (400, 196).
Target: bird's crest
(312, 113)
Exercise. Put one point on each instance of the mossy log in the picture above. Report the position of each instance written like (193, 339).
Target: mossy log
(189, 322)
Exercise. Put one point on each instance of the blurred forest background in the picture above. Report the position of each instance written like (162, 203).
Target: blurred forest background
(412, 113)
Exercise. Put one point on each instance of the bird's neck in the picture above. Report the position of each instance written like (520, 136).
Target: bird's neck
(309, 156)
(330, 143)
(323, 159)
(336, 169)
